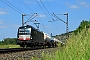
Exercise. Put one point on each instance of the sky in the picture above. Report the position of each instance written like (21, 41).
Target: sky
(11, 15)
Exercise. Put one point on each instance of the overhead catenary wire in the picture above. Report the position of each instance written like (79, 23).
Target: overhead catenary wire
(46, 9)
(14, 6)
(21, 1)
(42, 10)
(49, 6)
(45, 29)
(52, 12)
(58, 18)
(59, 25)
(31, 18)
(11, 7)
(49, 14)
(55, 27)
(43, 25)
(21, 11)
(46, 14)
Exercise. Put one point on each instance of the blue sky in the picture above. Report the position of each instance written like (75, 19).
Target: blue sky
(11, 15)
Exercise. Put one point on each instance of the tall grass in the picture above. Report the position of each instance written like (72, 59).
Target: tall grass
(77, 48)
(9, 46)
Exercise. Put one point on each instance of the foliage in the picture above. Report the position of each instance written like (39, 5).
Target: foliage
(7, 41)
(84, 24)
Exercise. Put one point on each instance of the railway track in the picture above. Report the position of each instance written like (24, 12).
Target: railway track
(17, 49)
(25, 53)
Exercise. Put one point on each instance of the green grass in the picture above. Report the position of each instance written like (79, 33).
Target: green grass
(77, 48)
(9, 46)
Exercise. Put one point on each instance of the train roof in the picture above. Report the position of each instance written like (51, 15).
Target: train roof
(46, 34)
(29, 26)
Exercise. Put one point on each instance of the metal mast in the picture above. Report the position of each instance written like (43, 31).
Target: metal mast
(67, 29)
(30, 18)
(23, 19)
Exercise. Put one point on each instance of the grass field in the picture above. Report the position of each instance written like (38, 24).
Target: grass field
(77, 48)
(9, 46)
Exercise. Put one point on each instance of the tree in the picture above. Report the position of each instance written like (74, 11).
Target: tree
(7, 41)
(83, 25)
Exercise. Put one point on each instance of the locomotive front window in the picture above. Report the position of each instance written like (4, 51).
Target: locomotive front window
(26, 31)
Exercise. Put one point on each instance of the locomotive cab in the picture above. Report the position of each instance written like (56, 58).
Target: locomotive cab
(29, 36)
(24, 35)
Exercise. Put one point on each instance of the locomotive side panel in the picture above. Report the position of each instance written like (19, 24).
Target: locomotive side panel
(40, 37)
(37, 36)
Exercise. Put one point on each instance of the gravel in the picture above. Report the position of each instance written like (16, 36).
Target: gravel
(26, 55)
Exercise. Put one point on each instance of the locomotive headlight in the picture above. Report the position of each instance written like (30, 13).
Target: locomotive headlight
(25, 27)
(31, 37)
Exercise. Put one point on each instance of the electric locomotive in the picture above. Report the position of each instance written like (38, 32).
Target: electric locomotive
(28, 36)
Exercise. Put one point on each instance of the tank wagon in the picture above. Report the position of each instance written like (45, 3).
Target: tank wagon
(30, 37)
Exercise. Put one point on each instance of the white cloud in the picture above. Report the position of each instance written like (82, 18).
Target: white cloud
(74, 6)
(45, 0)
(77, 0)
(5, 24)
(82, 3)
(30, 2)
(3, 12)
(88, 5)
(13, 25)
(3, 27)
(1, 21)
(78, 4)
(41, 15)
(3, 9)
(16, 26)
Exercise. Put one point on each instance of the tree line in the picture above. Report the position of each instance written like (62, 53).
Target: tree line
(83, 25)
(8, 41)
